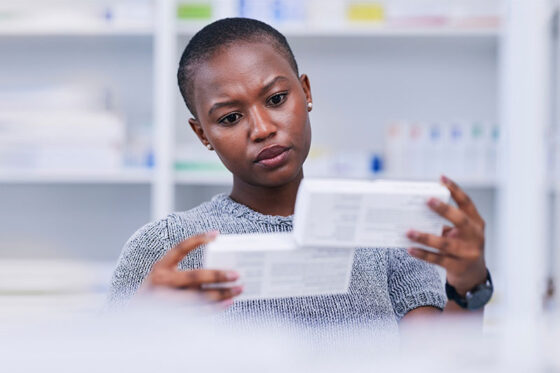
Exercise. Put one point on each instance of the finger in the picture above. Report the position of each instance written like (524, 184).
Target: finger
(453, 233)
(427, 256)
(197, 277)
(177, 253)
(219, 295)
(446, 230)
(462, 199)
(443, 244)
(453, 214)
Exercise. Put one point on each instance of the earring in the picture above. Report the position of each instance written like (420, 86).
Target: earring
(209, 147)
(309, 106)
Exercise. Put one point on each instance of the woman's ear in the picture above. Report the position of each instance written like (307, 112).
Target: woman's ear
(304, 80)
(197, 128)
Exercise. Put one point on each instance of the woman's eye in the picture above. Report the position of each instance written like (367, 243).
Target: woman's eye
(230, 118)
(277, 99)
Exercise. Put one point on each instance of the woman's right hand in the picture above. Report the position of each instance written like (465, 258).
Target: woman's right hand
(167, 280)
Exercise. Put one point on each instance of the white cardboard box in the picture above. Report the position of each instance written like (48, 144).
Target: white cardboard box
(273, 266)
(348, 213)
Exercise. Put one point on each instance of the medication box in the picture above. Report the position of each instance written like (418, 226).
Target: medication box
(273, 266)
(348, 213)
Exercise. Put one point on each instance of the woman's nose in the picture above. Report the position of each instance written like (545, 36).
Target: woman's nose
(262, 126)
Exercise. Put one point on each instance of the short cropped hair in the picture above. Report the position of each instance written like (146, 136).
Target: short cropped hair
(220, 34)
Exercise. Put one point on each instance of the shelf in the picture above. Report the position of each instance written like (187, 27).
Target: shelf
(477, 184)
(185, 29)
(203, 178)
(198, 178)
(95, 29)
(181, 178)
(190, 28)
(464, 183)
(76, 177)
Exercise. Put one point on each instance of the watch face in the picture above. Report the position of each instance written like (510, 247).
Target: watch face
(479, 297)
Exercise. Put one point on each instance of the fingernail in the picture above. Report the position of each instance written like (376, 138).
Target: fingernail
(433, 202)
(412, 251)
(226, 303)
(237, 290)
(444, 179)
(412, 234)
(212, 234)
(231, 275)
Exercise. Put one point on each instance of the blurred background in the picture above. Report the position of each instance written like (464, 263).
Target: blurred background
(94, 139)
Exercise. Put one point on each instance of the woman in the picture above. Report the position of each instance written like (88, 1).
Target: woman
(251, 106)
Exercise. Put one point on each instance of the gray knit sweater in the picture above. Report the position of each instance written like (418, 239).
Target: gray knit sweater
(385, 283)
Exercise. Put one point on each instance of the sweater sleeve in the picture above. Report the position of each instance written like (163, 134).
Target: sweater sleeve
(413, 283)
(137, 257)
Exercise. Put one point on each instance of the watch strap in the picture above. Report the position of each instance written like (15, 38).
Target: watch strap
(464, 302)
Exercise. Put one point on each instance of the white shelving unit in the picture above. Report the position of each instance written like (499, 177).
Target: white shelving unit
(439, 73)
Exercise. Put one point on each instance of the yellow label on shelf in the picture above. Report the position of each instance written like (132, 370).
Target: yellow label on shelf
(367, 11)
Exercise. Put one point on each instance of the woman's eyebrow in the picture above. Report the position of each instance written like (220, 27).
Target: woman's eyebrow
(218, 105)
(270, 84)
(264, 89)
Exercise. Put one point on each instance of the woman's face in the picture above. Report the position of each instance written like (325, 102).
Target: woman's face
(252, 109)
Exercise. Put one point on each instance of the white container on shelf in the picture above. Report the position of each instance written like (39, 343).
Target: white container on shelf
(48, 97)
(418, 13)
(258, 9)
(476, 137)
(326, 14)
(434, 152)
(492, 143)
(225, 8)
(454, 160)
(130, 12)
(474, 13)
(395, 149)
(416, 149)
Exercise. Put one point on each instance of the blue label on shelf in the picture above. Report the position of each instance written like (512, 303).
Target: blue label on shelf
(376, 165)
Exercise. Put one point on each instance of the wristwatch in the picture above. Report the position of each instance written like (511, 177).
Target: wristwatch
(475, 298)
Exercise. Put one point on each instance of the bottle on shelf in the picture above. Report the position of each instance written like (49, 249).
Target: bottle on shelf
(460, 149)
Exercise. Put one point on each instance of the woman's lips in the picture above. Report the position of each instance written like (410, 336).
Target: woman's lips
(273, 156)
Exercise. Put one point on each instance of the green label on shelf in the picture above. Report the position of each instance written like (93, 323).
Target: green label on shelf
(476, 131)
(198, 166)
(194, 11)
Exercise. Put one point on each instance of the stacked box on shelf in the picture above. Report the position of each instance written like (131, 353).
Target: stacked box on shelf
(61, 140)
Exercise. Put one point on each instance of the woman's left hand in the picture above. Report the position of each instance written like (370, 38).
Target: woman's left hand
(461, 246)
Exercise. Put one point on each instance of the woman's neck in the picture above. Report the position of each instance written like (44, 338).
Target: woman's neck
(267, 200)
